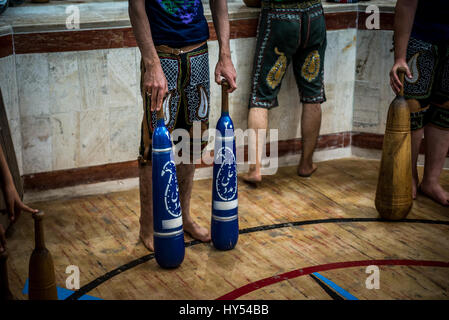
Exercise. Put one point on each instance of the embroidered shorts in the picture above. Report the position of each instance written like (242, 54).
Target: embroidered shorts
(187, 101)
(428, 90)
(292, 32)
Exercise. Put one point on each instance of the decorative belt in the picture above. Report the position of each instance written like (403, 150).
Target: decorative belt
(298, 4)
(177, 51)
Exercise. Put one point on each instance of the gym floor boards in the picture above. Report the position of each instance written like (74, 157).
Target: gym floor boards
(300, 238)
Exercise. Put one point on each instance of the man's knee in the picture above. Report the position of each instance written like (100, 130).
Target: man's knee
(312, 107)
(258, 115)
(258, 111)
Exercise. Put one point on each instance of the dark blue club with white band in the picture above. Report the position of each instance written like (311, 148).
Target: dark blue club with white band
(167, 214)
(224, 224)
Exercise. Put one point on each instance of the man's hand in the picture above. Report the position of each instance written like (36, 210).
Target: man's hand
(2, 239)
(225, 69)
(395, 83)
(155, 84)
(403, 23)
(13, 203)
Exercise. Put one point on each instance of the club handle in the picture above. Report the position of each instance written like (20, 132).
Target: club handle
(160, 113)
(401, 74)
(224, 96)
(39, 230)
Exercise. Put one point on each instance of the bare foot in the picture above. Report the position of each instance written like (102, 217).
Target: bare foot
(435, 192)
(306, 171)
(196, 231)
(147, 238)
(252, 177)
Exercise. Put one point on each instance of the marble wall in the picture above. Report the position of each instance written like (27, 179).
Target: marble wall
(78, 109)
(81, 109)
(8, 85)
(372, 91)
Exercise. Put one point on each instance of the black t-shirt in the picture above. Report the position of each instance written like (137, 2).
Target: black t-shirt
(177, 23)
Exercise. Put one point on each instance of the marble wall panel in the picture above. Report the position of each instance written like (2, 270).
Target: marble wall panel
(367, 116)
(93, 77)
(33, 84)
(65, 140)
(372, 94)
(94, 137)
(122, 83)
(37, 144)
(124, 126)
(64, 82)
(8, 85)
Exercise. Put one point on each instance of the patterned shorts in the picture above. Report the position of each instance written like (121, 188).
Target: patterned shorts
(291, 32)
(428, 90)
(187, 101)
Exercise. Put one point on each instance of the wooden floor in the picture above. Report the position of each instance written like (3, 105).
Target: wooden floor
(100, 233)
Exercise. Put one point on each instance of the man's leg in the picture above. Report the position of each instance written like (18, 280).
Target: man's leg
(310, 130)
(308, 67)
(437, 145)
(417, 136)
(146, 205)
(277, 41)
(257, 120)
(418, 120)
(185, 173)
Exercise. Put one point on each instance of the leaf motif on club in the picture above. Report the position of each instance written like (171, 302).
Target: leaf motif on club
(171, 195)
(226, 182)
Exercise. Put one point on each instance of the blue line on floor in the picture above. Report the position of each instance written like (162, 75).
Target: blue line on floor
(345, 294)
(63, 293)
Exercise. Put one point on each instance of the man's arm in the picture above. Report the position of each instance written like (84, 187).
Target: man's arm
(155, 83)
(12, 200)
(225, 68)
(403, 23)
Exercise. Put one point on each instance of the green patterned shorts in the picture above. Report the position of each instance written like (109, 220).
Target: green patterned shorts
(289, 32)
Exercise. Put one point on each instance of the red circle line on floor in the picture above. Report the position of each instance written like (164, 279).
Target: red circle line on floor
(250, 287)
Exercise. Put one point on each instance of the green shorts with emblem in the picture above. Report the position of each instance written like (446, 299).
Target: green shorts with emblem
(289, 32)
(427, 92)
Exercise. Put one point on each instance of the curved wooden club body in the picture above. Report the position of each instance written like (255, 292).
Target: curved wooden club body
(394, 188)
(42, 284)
